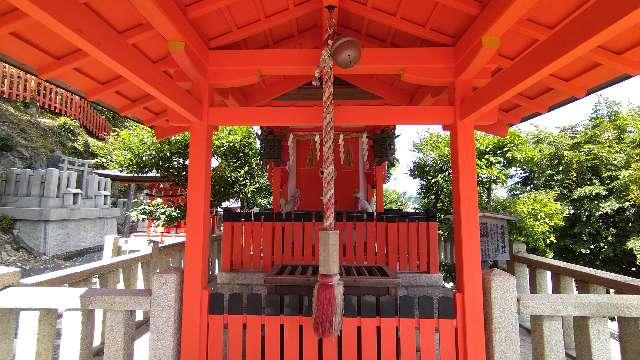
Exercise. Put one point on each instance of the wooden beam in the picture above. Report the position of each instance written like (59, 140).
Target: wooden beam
(263, 25)
(204, 7)
(137, 104)
(61, 65)
(80, 26)
(598, 54)
(482, 40)
(597, 23)
(309, 39)
(395, 95)
(564, 86)
(105, 88)
(291, 62)
(261, 96)
(13, 21)
(232, 97)
(344, 115)
(531, 104)
(470, 7)
(185, 44)
(427, 96)
(396, 23)
(79, 57)
(163, 132)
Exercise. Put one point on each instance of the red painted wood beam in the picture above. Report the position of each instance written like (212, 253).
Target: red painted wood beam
(79, 57)
(344, 115)
(594, 25)
(257, 97)
(13, 21)
(395, 22)
(105, 88)
(481, 41)
(605, 57)
(80, 26)
(185, 44)
(470, 7)
(204, 7)
(437, 61)
(135, 105)
(395, 95)
(168, 131)
(310, 39)
(263, 25)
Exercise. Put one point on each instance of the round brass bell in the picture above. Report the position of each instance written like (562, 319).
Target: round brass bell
(346, 51)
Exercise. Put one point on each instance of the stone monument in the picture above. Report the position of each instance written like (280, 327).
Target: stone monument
(52, 216)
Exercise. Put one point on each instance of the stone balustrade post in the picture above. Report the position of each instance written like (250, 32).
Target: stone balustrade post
(591, 334)
(130, 276)
(501, 315)
(83, 338)
(107, 280)
(546, 337)
(521, 272)
(538, 281)
(119, 334)
(629, 337)
(46, 334)
(9, 276)
(562, 284)
(164, 322)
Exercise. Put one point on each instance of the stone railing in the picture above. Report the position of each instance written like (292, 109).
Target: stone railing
(569, 317)
(95, 320)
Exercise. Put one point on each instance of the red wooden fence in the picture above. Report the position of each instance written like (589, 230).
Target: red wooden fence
(258, 241)
(16, 84)
(366, 335)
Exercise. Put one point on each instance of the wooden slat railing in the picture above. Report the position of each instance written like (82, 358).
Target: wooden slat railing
(373, 328)
(260, 240)
(16, 84)
(576, 309)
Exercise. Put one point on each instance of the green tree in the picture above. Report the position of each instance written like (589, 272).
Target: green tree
(592, 167)
(394, 199)
(576, 192)
(238, 174)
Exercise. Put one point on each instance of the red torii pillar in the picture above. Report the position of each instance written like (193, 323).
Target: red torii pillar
(195, 290)
(466, 231)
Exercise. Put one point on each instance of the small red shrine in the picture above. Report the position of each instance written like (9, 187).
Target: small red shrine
(293, 156)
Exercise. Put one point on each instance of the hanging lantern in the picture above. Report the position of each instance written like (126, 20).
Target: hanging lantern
(271, 147)
(346, 51)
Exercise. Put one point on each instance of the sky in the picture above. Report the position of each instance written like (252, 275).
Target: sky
(626, 92)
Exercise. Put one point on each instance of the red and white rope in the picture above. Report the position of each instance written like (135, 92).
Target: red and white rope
(325, 70)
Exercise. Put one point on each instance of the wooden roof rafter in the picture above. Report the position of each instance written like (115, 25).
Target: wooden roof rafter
(395, 22)
(82, 28)
(597, 23)
(266, 23)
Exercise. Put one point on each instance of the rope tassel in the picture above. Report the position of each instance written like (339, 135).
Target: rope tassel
(328, 292)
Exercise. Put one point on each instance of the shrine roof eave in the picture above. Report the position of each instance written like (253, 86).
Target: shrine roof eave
(144, 59)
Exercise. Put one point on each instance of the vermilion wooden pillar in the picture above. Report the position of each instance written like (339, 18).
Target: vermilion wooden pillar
(196, 252)
(466, 229)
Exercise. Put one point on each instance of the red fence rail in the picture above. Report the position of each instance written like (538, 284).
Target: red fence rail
(16, 84)
(258, 241)
(366, 334)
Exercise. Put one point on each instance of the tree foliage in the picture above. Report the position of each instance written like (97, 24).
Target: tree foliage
(394, 199)
(576, 192)
(237, 175)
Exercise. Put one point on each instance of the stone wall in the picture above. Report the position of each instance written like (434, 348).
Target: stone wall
(52, 215)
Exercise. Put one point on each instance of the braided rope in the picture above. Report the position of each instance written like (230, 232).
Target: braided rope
(325, 70)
